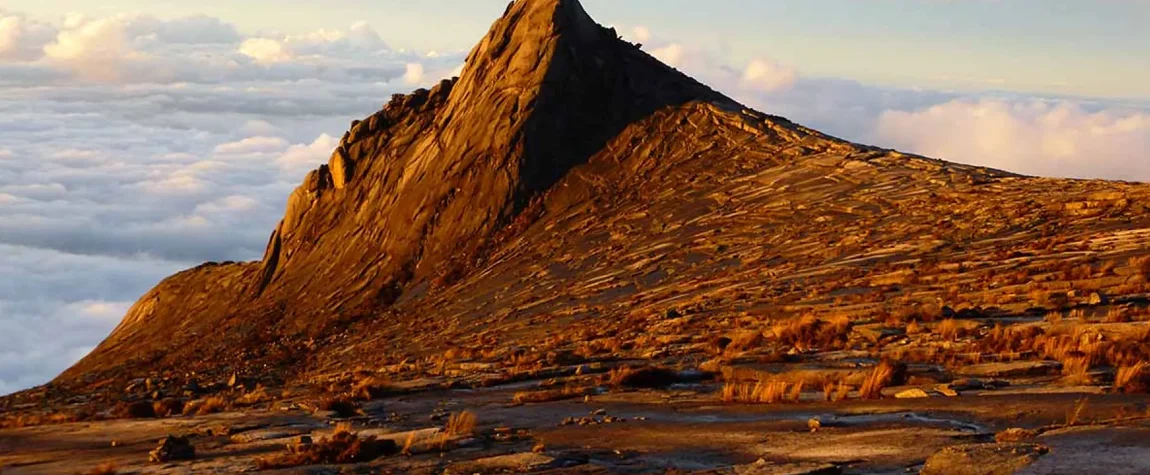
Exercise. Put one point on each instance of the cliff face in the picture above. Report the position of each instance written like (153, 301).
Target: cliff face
(568, 173)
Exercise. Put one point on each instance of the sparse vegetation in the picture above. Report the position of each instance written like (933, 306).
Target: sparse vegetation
(342, 406)
(549, 395)
(1131, 378)
(203, 407)
(773, 392)
(882, 375)
(1075, 413)
(343, 447)
(458, 425)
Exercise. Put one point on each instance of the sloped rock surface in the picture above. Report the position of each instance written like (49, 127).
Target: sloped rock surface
(570, 181)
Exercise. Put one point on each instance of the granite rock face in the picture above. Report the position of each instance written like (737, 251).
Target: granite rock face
(568, 173)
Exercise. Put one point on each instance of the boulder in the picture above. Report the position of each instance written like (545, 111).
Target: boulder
(915, 393)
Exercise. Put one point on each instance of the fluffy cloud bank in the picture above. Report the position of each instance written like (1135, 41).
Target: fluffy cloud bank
(1063, 137)
(132, 147)
(1057, 138)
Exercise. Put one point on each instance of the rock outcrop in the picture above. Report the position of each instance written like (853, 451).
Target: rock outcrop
(568, 174)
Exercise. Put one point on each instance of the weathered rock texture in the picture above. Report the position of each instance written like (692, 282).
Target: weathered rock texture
(568, 174)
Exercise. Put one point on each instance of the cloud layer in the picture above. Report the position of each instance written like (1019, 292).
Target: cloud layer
(133, 146)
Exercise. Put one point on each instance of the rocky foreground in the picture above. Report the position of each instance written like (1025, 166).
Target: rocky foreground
(575, 259)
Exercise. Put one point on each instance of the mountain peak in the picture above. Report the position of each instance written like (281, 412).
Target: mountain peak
(418, 192)
(566, 172)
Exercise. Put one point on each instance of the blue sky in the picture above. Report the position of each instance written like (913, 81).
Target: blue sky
(1092, 48)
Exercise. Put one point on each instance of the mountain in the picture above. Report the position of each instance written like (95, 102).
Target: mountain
(570, 194)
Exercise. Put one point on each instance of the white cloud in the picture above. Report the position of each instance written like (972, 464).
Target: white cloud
(22, 39)
(757, 76)
(767, 76)
(299, 159)
(94, 48)
(414, 74)
(360, 38)
(266, 50)
(252, 145)
(1036, 137)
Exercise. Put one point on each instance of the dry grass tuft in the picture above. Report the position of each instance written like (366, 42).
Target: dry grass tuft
(461, 424)
(343, 447)
(1131, 378)
(1076, 371)
(1075, 413)
(409, 444)
(810, 332)
(882, 376)
(836, 391)
(458, 425)
(763, 392)
(951, 329)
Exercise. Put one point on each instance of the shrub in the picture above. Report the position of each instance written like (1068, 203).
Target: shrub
(342, 447)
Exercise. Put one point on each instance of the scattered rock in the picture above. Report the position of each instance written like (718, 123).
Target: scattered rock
(172, 448)
(915, 393)
(983, 459)
(946, 390)
(1099, 298)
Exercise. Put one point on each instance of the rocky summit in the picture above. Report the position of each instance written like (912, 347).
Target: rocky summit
(572, 222)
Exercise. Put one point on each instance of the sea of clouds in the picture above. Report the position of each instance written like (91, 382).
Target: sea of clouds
(132, 147)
